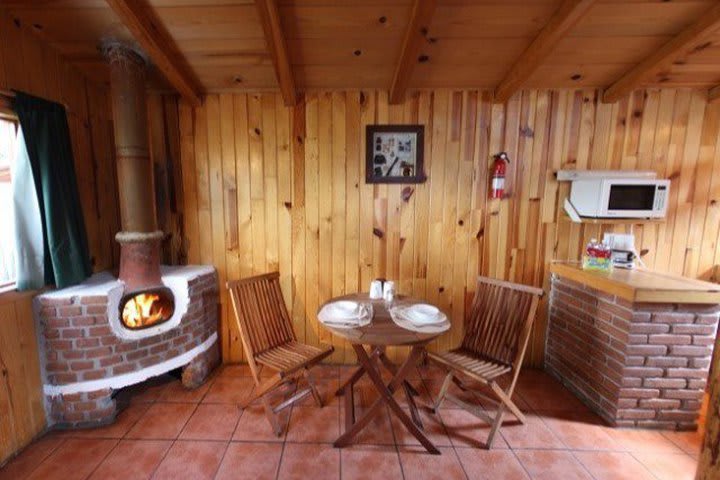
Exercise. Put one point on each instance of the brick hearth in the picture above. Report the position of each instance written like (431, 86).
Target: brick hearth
(87, 355)
(635, 364)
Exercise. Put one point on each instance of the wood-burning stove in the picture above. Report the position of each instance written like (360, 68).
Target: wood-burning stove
(112, 332)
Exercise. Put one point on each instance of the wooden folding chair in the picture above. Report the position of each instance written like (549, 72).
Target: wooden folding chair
(269, 340)
(497, 331)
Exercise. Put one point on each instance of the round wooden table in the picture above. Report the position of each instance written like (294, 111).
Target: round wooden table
(381, 333)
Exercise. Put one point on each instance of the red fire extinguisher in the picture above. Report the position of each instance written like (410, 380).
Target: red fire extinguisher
(497, 187)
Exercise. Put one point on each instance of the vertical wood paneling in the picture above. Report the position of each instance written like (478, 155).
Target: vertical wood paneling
(190, 193)
(164, 125)
(312, 218)
(421, 197)
(354, 175)
(338, 166)
(284, 197)
(230, 202)
(298, 215)
(301, 204)
(217, 212)
(325, 168)
(22, 413)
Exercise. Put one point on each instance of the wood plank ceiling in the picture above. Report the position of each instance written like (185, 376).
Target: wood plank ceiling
(339, 44)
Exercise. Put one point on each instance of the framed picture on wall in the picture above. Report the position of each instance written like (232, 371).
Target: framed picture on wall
(394, 154)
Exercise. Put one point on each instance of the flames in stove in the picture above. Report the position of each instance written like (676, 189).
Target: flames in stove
(144, 309)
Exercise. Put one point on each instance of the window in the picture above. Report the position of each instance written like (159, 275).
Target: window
(8, 133)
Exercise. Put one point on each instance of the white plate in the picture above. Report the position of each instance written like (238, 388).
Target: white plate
(344, 309)
(439, 325)
(423, 314)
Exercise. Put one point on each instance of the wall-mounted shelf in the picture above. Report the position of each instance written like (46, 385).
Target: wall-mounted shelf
(572, 216)
(616, 221)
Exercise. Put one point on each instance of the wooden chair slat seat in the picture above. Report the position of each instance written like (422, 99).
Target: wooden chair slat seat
(269, 341)
(497, 331)
(292, 356)
(481, 369)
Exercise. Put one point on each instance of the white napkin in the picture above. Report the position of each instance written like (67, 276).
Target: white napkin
(335, 317)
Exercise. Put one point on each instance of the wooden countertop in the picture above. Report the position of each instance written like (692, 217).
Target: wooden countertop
(640, 285)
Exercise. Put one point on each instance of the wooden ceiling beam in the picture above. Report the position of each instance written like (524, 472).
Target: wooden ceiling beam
(422, 12)
(714, 94)
(275, 38)
(660, 59)
(148, 32)
(566, 16)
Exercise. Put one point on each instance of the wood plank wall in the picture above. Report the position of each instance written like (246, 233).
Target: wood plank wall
(22, 414)
(28, 65)
(273, 188)
(165, 153)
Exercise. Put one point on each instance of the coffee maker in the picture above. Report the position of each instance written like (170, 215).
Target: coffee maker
(622, 249)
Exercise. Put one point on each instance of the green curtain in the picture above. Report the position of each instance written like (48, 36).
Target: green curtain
(47, 138)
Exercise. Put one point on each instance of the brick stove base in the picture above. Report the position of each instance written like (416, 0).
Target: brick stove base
(88, 356)
(635, 364)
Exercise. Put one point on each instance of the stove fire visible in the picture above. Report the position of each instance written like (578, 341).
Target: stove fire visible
(145, 309)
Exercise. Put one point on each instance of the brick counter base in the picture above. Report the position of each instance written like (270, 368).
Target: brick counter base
(636, 365)
(85, 362)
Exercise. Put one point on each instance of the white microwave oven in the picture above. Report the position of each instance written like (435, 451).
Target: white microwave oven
(620, 197)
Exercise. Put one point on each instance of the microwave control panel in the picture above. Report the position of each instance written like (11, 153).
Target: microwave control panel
(660, 198)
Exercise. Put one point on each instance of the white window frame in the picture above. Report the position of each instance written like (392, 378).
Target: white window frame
(9, 116)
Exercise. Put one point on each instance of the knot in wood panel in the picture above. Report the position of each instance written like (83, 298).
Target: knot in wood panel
(406, 193)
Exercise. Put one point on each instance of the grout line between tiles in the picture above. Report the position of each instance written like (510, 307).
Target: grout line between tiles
(284, 439)
(173, 441)
(49, 454)
(520, 462)
(645, 466)
(217, 468)
(462, 466)
(340, 424)
(117, 443)
(582, 465)
(280, 460)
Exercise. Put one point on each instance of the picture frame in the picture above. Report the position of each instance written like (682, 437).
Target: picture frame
(395, 154)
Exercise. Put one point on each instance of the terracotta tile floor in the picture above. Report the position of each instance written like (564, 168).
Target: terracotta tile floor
(167, 432)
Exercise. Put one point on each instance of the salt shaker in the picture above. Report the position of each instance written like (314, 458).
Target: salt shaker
(376, 289)
(389, 291)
